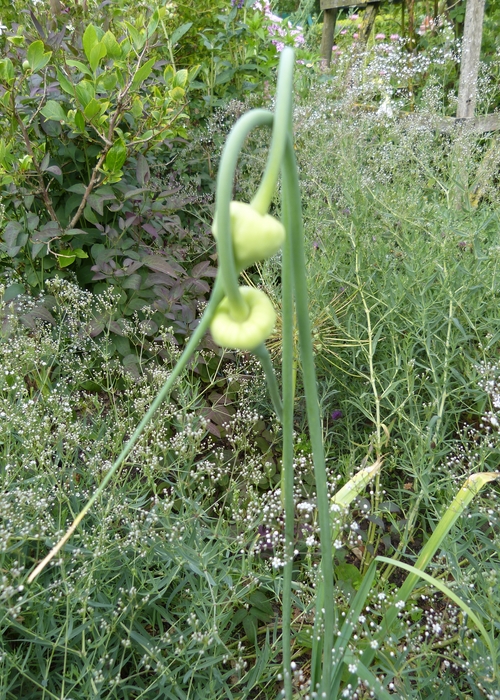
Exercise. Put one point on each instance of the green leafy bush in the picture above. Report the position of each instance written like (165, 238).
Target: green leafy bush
(84, 129)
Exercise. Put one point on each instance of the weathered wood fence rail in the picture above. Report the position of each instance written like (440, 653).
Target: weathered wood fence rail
(469, 65)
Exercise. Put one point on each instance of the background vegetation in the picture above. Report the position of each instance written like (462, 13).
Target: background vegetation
(172, 586)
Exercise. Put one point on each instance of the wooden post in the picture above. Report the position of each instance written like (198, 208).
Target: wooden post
(368, 22)
(469, 64)
(329, 21)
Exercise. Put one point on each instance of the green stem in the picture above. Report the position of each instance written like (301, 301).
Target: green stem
(378, 422)
(265, 360)
(282, 112)
(225, 179)
(288, 382)
(295, 233)
(215, 299)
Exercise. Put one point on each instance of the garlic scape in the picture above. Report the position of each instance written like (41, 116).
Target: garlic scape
(250, 332)
(254, 236)
(245, 318)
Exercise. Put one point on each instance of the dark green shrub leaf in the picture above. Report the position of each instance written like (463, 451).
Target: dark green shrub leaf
(38, 248)
(13, 238)
(89, 215)
(134, 192)
(80, 121)
(6, 71)
(49, 230)
(250, 627)
(75, 232)
(36, 56)
(138, 39)
(92, 109)
(179, 32)
(98, 52)
(65, 84)
(85, 92)
(122, 345)
(142, 170)
(116, 156)
(225, 76)
(81, 66)
(261, 602)
(53, 110)
(79, 188)
(89, 40)
(349, 574)
(133, 282)
(108, 81)
(96, 199)
(13, 291)
(143, 73)
(131, 362)
(32, 221)
(150, 327)
(112, 46)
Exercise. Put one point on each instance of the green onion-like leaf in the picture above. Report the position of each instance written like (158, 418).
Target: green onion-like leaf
(470, 489)
(450, 594)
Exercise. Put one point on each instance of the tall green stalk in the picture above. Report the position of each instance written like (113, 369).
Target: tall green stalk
(282, 119)
(295, 239)
(287, 365)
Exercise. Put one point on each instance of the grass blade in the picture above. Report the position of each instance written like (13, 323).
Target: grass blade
(471, 488)
(450, 594)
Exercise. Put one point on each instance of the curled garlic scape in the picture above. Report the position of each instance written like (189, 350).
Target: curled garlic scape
(245, 233)
(249, 333)
(254, 236)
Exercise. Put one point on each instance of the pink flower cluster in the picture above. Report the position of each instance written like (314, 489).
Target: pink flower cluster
(426, 26)
(282, 33)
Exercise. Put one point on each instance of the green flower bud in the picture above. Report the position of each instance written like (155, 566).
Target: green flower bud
(255, 237)
(247, 334)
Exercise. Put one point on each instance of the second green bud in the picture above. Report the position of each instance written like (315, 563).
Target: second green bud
(255, 236)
